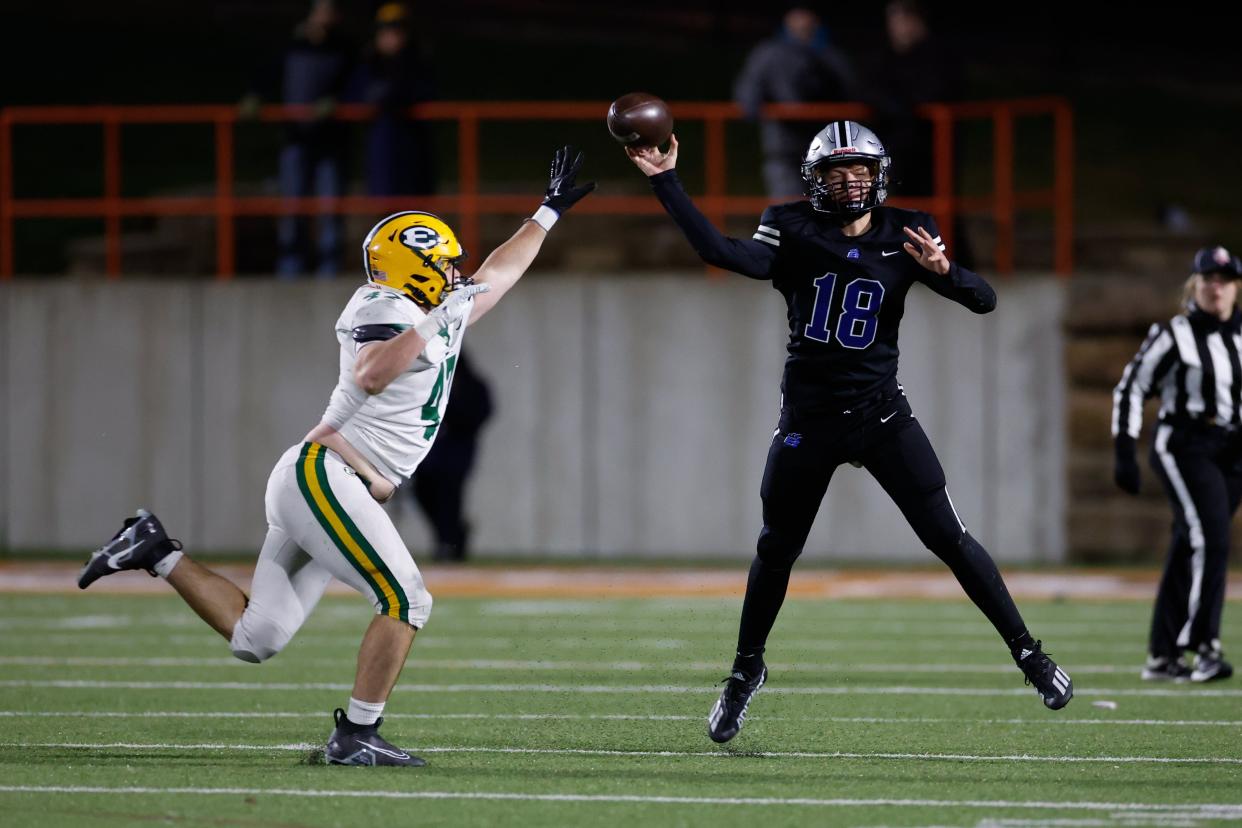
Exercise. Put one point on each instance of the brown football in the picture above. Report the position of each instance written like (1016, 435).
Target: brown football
(640, 120)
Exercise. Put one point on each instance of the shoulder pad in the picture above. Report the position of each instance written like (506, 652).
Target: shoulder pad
(778, 214)
(783, 220)
(381, 295)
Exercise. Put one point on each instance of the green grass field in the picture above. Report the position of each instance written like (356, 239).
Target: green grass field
(126, 710)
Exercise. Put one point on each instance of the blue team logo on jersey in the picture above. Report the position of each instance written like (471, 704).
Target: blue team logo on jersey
(853, 254)
(792, 439)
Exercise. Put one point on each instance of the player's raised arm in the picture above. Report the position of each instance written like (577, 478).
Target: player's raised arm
(508, 262)
(745, 256)
(948, 278)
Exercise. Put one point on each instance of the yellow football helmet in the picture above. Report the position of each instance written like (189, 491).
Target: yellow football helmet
(409, 251)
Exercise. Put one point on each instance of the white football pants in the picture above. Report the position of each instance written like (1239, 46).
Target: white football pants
(323, 523)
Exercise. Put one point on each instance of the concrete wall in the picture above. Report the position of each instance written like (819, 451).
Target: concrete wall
(634, 414)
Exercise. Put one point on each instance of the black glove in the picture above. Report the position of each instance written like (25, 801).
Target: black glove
(562, 194)
(1125, 466)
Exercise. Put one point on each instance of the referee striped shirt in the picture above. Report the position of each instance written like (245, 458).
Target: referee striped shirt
(1191, 361)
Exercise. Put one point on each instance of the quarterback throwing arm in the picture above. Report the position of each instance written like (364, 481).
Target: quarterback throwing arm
(749, 257)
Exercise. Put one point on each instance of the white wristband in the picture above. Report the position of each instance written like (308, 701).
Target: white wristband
(545, 217)
(429, 327)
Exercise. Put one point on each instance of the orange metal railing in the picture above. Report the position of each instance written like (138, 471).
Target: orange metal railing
(469, 204)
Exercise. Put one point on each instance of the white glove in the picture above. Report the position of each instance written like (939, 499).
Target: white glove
(451, 311)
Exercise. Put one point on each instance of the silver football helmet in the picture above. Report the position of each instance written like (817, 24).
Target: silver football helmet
(845, 142)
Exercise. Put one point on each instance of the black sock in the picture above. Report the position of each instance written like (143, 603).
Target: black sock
(353, 727)
(1020, 643)
(749, 664)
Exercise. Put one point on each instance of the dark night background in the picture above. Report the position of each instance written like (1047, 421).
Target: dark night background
(1157, 96)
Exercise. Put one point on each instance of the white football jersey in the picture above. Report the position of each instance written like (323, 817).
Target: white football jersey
(395, 428)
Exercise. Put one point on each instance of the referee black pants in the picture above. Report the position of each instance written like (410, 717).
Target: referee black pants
(1201, 469)
(888, 441)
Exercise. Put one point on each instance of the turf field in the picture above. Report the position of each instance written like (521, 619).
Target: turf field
(124, 709)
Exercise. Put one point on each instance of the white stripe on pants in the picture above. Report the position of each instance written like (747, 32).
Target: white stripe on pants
(1197, 543)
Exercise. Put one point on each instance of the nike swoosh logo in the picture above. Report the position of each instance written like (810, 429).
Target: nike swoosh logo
(889, 417)
(120, 556)
(378, 749)
(889, 252)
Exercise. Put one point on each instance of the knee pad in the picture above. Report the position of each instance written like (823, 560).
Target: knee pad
(418, 601)
(420, 608)
(778, 550)
(256, 639)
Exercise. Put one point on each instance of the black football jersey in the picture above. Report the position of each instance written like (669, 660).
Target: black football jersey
(845, 295)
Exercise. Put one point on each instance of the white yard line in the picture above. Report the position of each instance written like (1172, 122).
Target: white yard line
(446, 638)
(319, 714)
(555, 664)
(707, 754)
(116, 661)
(73, 684)
(1200, 811)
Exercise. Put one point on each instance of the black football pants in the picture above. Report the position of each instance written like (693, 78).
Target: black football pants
(1201, 469)
(891, 445)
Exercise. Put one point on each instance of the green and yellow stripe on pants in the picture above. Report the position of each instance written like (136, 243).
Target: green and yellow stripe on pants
(313, 481)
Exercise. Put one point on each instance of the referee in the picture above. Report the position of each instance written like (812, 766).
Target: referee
(1192, 363)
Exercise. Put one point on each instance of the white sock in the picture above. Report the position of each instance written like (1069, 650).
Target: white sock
(364, 713)
(165, 565)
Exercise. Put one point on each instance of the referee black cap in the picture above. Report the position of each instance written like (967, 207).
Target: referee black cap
(1216, 259)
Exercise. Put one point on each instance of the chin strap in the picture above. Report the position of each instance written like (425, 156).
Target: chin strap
(449, 284)
(427, 260)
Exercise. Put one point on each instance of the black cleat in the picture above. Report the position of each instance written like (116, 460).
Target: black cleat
(1210, 664)
(1163, 668)
(729, 712)
(140, 544)
(352, 744)
(1051, 682)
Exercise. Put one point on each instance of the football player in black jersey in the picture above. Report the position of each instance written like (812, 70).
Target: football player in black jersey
(844, 264)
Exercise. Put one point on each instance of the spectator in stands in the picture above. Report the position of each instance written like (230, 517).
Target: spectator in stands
(393, 76)
(917, 67)
(799, 64)
(315, 68)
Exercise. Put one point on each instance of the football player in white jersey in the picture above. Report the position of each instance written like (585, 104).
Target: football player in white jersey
(400, 335)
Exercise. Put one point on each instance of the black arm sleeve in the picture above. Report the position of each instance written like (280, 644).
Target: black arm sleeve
(745, 256)
(963, 286)
(377, 333)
